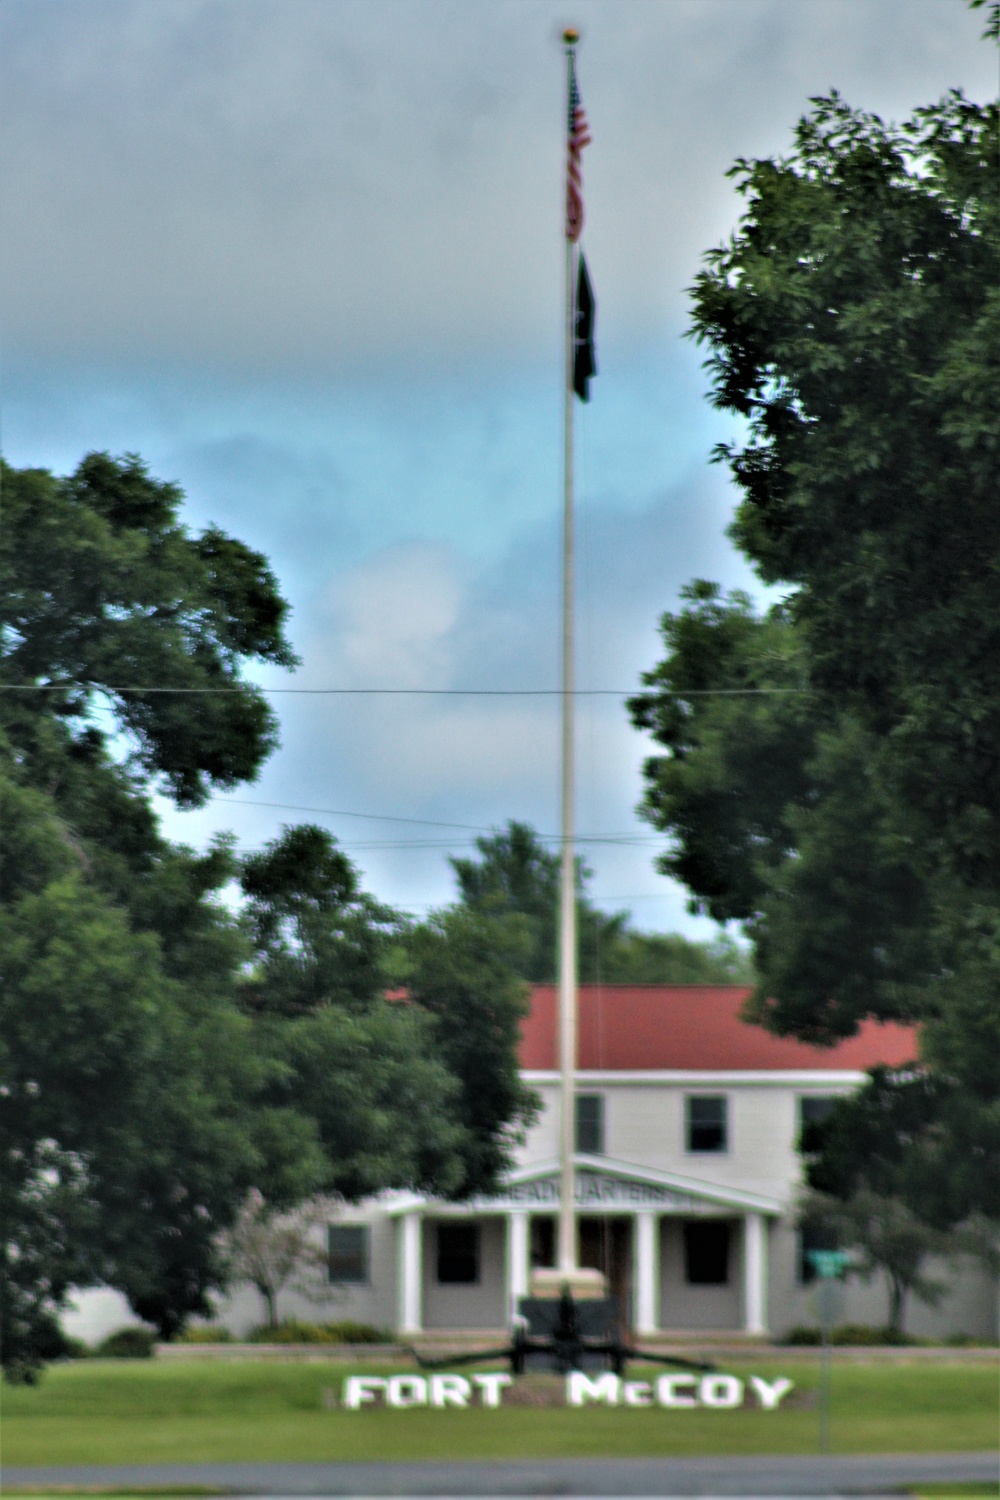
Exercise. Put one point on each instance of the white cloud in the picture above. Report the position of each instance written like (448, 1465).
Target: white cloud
(395, 615)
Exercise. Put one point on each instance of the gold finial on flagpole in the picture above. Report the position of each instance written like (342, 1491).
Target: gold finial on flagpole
(571, 36)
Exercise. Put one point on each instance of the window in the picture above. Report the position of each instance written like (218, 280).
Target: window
(813, 1110)
(543, 1240)
(813, 1237)
(457, 1254)
(707, 1123)
(590, 1123)
(347, 1252)
(706, 1253)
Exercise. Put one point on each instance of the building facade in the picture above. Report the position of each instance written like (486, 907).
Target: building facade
(687, 1179)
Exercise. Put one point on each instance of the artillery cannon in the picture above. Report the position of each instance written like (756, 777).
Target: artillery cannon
(565, 1334)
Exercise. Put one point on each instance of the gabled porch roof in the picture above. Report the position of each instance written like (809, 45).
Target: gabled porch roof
(603, 1182)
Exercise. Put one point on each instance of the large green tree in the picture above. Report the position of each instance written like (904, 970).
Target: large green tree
(127, 1126)
(413, 1087)
(829, 771)
(514, 876)
(161, 1055)
(108, 602)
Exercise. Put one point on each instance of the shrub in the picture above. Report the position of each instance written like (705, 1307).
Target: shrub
(318, 1333)
(205, 1333)
(862, 1334)
(74, 1348)
(127, 1343)
(802, 1336)
(346, 1332)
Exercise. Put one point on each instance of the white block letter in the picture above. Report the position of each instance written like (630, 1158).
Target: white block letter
(361, 1388)
(491, 1386)
(721, 1390)
(450, 1390)
(406, 1390)
(770, 1392)
(637, 1393)
(580, 1388)
(666, 1390)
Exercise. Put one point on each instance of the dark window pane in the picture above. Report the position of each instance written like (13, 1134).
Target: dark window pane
(543, 1240)
(457, 1253)
(813, 1110)
(813, 1237)
(706, 1253)
(347, 1252)
(590, 1123)
(706, 1123)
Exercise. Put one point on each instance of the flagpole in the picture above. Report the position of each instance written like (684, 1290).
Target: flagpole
(568, 979)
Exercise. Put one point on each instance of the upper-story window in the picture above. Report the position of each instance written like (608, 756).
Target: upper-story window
(590, 1124)
(813, 1110)
(707, 1122)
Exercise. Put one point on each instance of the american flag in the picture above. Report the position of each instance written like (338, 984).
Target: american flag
(578, 137)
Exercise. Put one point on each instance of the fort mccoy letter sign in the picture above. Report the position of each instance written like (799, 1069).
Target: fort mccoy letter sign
(673, 1392)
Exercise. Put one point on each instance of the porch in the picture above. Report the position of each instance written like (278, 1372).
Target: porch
(680, 1256)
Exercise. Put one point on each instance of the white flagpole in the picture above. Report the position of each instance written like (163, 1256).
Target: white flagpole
(567, 1247)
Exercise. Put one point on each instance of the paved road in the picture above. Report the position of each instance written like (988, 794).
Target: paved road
(854, 1475)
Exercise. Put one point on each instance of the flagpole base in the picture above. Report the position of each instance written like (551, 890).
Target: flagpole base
(583, 1283)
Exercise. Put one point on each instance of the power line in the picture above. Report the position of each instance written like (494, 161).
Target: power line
(635, 839)
(339, 812)
(364, 692)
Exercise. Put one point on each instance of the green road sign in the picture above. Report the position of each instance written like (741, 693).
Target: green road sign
(829, 1262)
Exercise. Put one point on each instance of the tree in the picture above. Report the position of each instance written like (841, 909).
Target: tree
(992, 8)
(829, 773)
(317, 937)
(370, 1072)
(274, 1250)
(107, 600)
(872, 1182)
(116, 1095)
(887, 1238)
(668, 958)
(515, 876)
(853, 324)
(111, 613)
(464, 976)
(161, 1057)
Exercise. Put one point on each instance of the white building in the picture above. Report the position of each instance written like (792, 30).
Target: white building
(687, 1181)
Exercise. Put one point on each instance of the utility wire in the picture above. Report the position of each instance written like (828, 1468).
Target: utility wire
(60, 687)
(339, 812)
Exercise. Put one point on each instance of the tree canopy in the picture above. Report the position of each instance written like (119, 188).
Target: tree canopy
(516, 879)
(108, 601)
(160, 1053)
(828, 771)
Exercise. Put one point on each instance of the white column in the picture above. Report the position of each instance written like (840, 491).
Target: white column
(647, 1237)
(518, 1269)
(754, 1273)
(411, 1272)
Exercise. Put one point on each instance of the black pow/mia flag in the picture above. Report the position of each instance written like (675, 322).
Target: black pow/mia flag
(584, 357)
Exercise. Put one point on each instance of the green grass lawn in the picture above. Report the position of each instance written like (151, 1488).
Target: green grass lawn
(136, 1412)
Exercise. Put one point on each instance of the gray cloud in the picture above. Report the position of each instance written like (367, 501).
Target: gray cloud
(263, 185)
(306, 258)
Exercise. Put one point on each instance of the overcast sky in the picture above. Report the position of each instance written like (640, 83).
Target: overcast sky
(305, 257)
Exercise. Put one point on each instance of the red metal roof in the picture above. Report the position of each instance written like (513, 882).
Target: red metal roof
(691, 1027)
